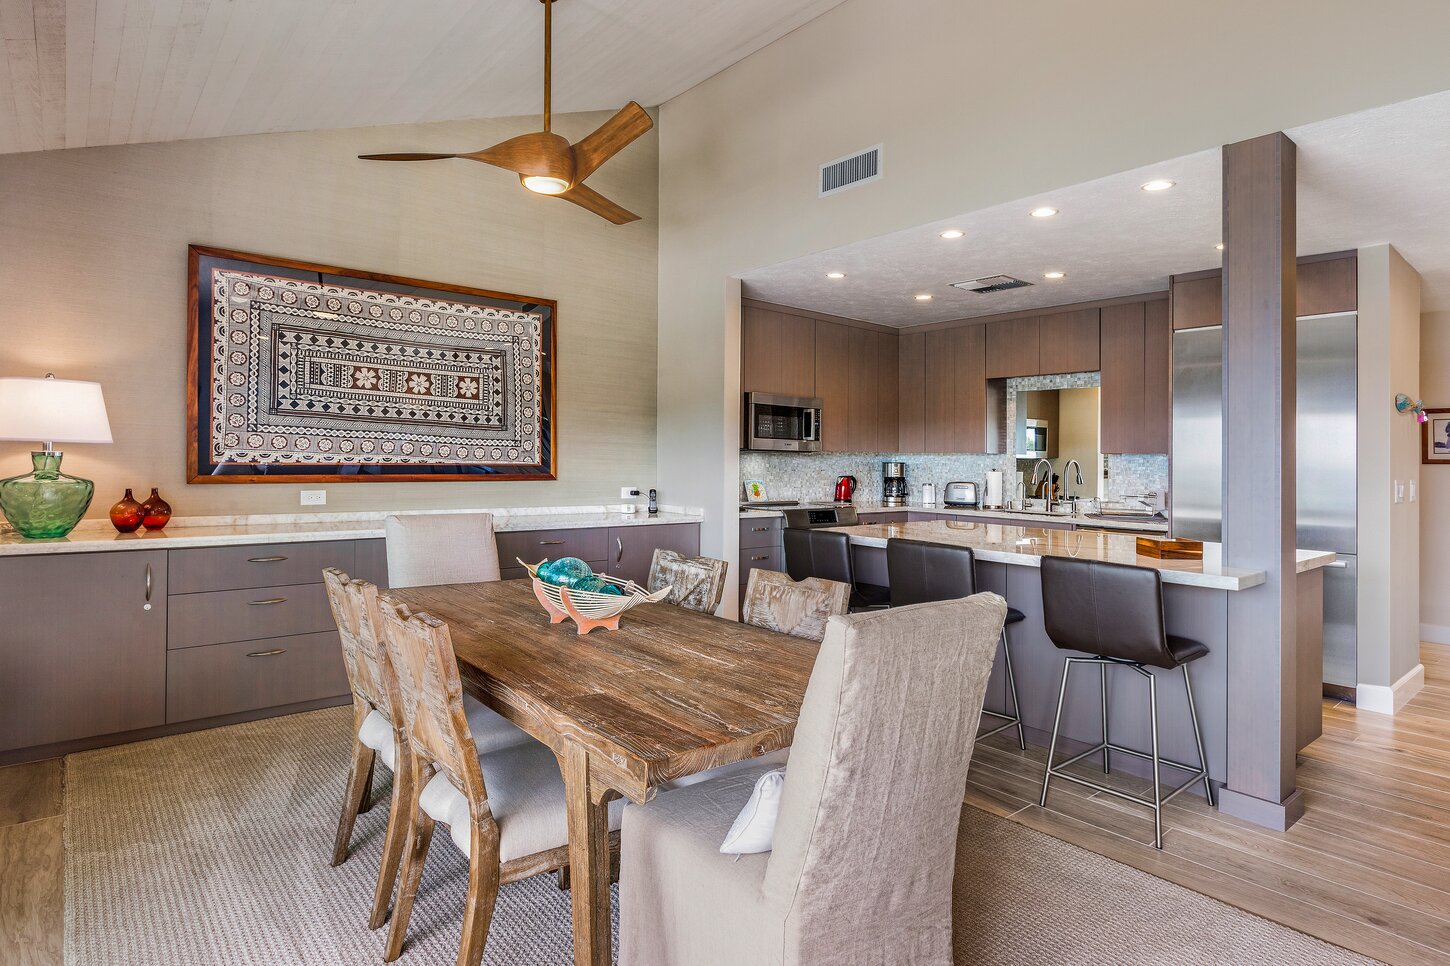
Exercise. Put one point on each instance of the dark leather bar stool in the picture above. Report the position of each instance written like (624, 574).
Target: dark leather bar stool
(825, 554)
(1114, 612)
(919, 572)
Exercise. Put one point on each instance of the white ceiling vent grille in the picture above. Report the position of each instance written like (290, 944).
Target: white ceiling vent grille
(990, 284)
(848, 172)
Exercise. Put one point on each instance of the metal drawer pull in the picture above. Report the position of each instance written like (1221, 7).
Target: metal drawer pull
(147, 604)
(264, 559)
(619, 542)
(1337, 565)
(272, 653)
(759, 529)
(269, 600)
(761, 557)
(550, 543)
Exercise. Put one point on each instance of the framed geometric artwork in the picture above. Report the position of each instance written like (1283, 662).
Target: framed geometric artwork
(302, 373)
(1435, 436)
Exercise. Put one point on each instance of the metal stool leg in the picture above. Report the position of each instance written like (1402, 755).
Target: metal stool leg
(1012, 689)
(1198, 737)
(1103, 679)
(1157, 782)
(1056, 724)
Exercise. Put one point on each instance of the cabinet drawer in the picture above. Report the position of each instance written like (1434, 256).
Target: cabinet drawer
(535, 545)
(247, 615)
(519, 573)
(760, 558)
(884, 516)
(205, 569)
(204, 682)
(760, 531)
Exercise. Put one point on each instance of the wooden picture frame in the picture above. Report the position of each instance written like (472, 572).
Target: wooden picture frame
(1438, 428)
(306, 373)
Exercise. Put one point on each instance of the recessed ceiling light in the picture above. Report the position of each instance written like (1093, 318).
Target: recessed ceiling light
(835, 275)
(1158, 184)
(1043, 212)
(1219, 246)
(1054, 275)
(951, 233)
(923, 298)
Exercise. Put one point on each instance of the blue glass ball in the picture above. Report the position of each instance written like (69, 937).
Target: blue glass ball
(569, 572)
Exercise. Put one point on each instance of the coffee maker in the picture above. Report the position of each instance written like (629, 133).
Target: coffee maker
(893, 483)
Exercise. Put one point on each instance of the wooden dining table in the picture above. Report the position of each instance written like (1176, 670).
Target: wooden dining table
(672, 692)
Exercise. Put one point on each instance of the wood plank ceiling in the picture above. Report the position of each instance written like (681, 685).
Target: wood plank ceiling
(79, 73)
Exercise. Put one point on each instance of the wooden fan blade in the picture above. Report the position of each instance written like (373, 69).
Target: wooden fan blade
(587, 198)
(536, 153)
(613, 136)
(406, 157)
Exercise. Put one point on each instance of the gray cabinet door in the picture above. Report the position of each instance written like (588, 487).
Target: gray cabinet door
(631, 549)
(80, 655)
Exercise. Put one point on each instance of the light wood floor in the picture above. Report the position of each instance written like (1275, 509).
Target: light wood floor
(1368, 867)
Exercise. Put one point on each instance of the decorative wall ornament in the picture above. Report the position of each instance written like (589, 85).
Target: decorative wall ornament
(310, 373)
(1435, 436)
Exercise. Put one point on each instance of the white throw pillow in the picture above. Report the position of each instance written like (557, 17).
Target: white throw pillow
(754, 828)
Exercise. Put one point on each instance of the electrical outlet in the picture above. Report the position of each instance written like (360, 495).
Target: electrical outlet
(628, 492)
(314, 498)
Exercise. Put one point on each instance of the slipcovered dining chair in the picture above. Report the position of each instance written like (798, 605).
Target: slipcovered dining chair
(378, 727)
(696, 583)
(427, 549)
(799, 608)
(504, 810)
(862, 863)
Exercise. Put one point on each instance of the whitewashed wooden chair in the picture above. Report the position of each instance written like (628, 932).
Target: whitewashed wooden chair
(378, 727)
(505, 810)
(796, 607)
(428, 549)
(696, 583)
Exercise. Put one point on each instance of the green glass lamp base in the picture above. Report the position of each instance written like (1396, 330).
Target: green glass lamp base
(45, 502)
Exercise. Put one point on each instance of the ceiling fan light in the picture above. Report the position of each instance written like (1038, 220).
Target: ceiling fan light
(545, 185)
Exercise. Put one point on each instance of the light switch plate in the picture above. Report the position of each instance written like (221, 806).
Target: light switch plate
(1399, 492)
(314, 498)
(1412, 491)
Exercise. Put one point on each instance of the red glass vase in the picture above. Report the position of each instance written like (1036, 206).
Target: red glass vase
(127, 514)
(155, 511)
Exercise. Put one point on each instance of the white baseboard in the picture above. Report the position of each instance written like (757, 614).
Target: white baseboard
(1389, 700)
(1435, 633)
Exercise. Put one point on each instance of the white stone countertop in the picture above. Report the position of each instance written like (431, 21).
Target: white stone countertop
(1026, 546)
(98, 535)
(1152, 524)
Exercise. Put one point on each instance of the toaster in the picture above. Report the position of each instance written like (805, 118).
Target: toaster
(960, 494)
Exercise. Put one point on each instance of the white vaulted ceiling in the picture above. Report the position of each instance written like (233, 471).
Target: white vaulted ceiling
(78, 73)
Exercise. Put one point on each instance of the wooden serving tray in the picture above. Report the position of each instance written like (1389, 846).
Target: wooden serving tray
(1164, 548)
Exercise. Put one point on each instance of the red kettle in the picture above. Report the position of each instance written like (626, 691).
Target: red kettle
(845, 486)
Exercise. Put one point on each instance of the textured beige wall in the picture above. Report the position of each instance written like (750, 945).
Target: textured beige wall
(1078, 437)
(93, 278)
(977, 104)
(1389, 450)
(1435, 486)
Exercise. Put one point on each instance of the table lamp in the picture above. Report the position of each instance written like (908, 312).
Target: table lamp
(47, 502)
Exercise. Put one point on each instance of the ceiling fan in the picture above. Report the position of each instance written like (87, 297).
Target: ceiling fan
(547, 163)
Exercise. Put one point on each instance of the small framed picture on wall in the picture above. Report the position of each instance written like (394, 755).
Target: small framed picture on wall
(1435, 437)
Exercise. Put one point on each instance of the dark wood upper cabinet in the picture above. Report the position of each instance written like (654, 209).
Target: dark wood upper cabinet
(1197, 300)
(1157, 426)
(888, 412)
(777, 352)
(1068, 342)
(1012, 347)
(1325, 284)
(941, 385)
(1121, 397)
(833, 370)
(911, 391)
(969, 367)
(863, 393)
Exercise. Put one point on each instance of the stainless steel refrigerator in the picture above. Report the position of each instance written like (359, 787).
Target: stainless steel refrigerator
(1326, 430)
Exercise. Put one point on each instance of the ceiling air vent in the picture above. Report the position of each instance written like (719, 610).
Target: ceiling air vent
(990, 284)
(850, 171)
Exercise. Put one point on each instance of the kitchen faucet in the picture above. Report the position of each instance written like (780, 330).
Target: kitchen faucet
(1045, 479)
(1070, 478)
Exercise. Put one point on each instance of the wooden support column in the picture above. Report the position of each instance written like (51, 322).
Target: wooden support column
(1258, 505)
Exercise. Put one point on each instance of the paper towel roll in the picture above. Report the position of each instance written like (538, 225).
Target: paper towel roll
(994, 488)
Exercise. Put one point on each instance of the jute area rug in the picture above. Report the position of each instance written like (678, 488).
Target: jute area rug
(213, 848)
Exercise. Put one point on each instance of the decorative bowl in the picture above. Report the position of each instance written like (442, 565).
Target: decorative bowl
(589, 609)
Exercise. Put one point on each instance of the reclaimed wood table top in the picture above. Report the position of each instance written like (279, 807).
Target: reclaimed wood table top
(673, 692)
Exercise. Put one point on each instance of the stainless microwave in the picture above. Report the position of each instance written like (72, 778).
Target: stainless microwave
(788, 423)
(1036, 443)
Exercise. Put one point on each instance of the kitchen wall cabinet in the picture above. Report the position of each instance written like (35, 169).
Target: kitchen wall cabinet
(863, 393)
(1068, 342)
(939, 430)
(1012, 347)
(833, 377)
(911, 392)
(944, 393)
(1136, 363)
(1325, 284)
(777, 352)
(969, 371)
(888, 406)
(81, 655)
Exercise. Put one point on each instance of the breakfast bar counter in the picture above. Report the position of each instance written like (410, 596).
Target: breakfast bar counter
(1195, 605)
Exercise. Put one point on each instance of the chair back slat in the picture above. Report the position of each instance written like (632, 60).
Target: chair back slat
(431, 694)
(696, 583)
(369, 672)
(800, 608)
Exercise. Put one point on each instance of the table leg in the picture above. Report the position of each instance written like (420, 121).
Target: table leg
(588, 810)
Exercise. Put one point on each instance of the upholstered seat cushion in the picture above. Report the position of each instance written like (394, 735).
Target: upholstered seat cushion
(377, 733)
(491, 731)
(525, 794)
(1185, 649)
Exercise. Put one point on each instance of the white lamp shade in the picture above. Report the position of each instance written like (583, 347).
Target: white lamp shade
(53, 411)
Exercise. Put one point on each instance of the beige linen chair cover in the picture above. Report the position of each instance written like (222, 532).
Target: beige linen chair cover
(864, 846)
(428, 549)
